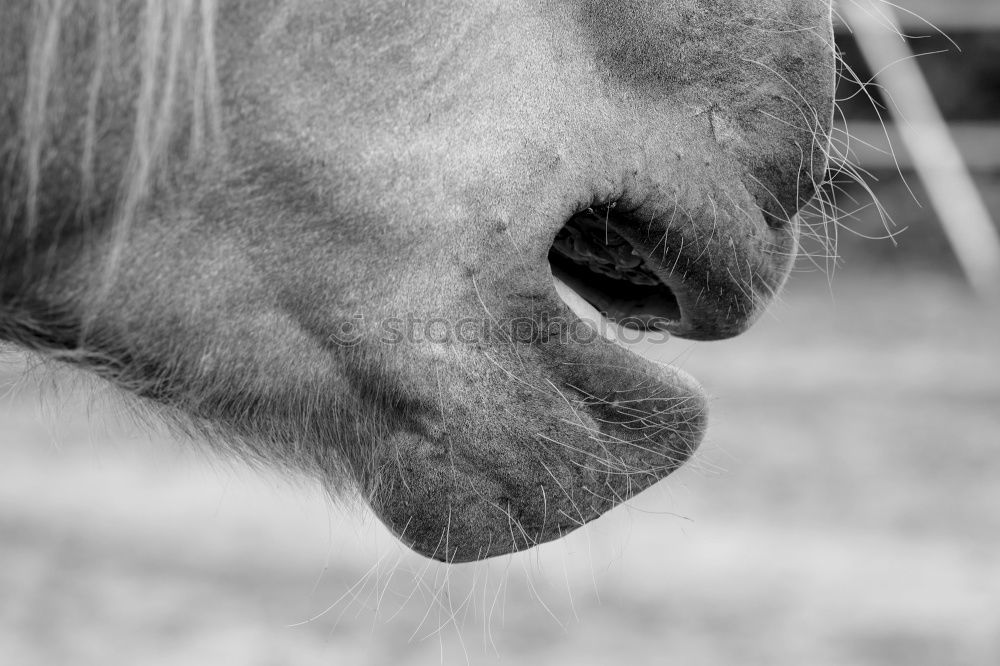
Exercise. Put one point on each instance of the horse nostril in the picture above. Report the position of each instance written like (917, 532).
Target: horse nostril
(611, 274)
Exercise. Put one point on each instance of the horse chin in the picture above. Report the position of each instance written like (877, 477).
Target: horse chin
(489, 485)
(541, 436)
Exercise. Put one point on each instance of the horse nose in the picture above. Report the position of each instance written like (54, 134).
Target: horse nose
(719, 230)
(723, 269)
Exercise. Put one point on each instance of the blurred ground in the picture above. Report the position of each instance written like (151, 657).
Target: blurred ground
(845, 510)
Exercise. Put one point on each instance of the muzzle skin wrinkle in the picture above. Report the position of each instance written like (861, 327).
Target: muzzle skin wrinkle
(382, 162)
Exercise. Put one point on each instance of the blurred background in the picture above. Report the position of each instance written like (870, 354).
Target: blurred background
(845, 508)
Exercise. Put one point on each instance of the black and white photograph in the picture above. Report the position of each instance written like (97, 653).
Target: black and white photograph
(533, 332)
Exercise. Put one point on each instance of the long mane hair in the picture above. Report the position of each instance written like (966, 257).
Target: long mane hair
(65, 60)
(101, 100)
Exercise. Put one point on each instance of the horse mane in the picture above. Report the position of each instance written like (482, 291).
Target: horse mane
(153, 58)
(78, 76)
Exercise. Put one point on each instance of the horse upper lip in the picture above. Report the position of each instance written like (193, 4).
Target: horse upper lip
(713, 281)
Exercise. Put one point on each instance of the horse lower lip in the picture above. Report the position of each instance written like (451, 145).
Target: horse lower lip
(644, 376)
(653, 415)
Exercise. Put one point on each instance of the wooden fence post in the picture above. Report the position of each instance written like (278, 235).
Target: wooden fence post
(966, 220)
